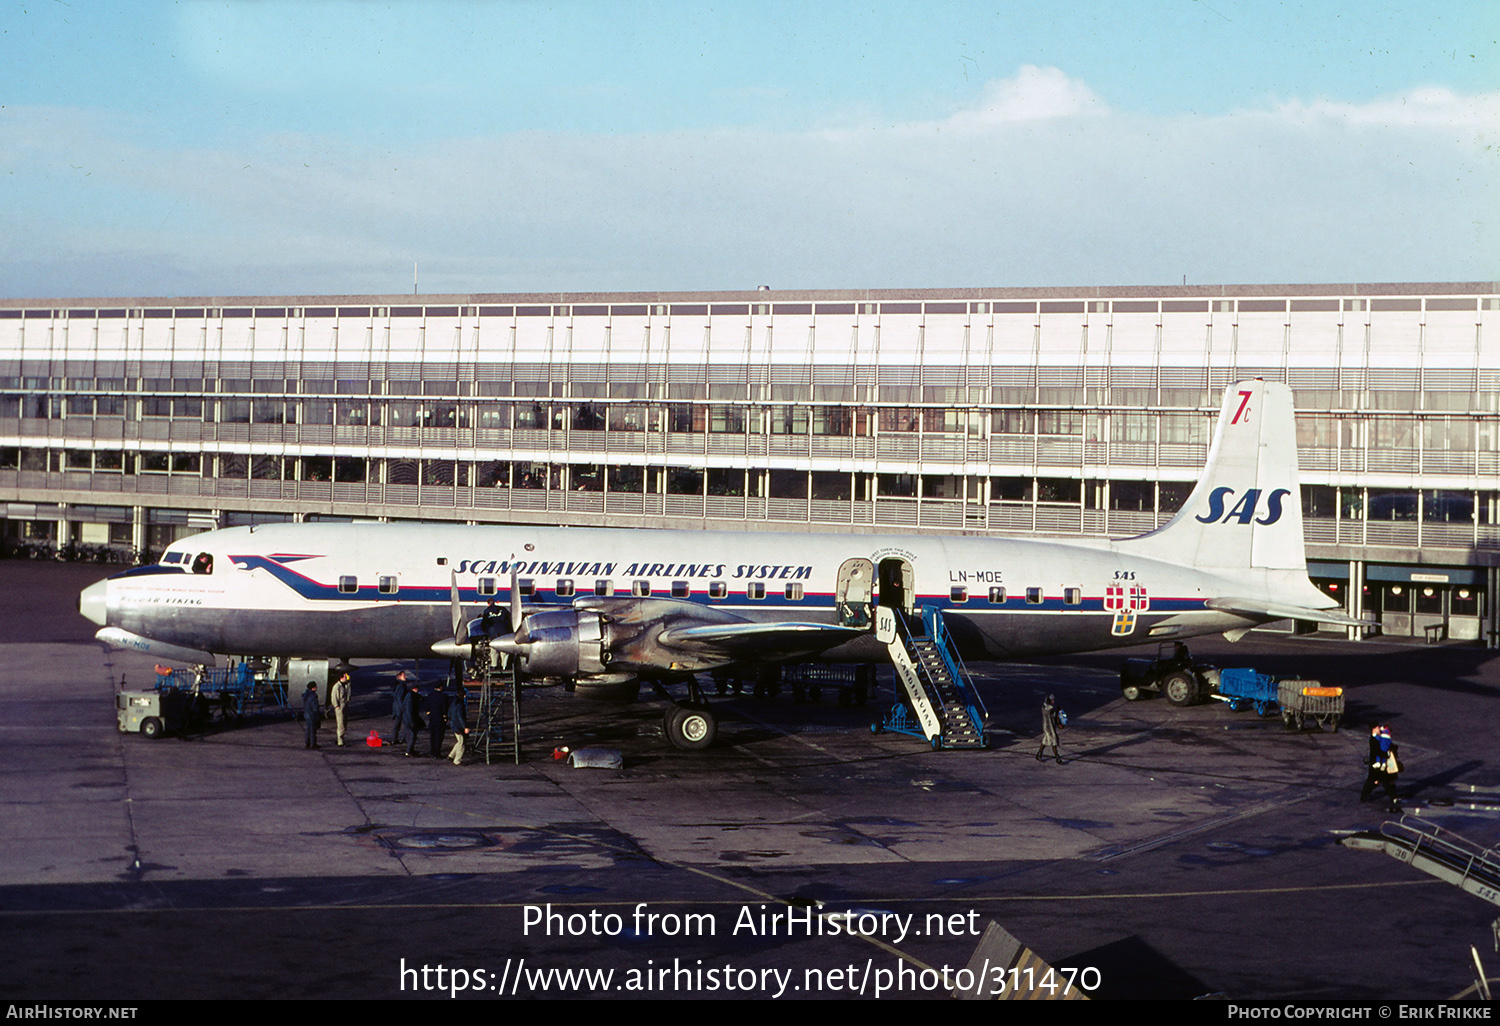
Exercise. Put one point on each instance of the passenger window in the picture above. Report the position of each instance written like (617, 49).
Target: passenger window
(794, 593)
(564, 588)
(1072, 596)
(682, 590)
(755, 590)
(997, 595)
(388, 585)
(1033, 596)
(487, 586)
(604, 588)
(348, 585)
(640, 589)
(526, 587)
(958, 593)
(718, 590)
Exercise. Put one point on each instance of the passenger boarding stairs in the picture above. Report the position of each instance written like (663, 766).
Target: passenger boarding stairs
(1437, 852)
(940, 704)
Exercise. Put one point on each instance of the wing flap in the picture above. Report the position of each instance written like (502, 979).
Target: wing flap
(1261, 610)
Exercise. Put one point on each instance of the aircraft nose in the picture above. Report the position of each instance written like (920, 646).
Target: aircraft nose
(93, 604)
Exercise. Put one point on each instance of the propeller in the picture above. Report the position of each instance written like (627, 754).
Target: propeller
(460, 647)
(458, 610)
(509, 645)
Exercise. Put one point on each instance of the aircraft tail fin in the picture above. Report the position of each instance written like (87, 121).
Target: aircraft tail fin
(1246, 510)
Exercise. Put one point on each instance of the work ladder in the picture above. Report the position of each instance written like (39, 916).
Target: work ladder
(941, 703)
(499, 712)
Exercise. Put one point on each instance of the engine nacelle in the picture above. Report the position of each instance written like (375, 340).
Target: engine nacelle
(561, 643)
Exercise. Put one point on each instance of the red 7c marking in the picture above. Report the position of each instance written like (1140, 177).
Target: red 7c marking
(1244, 401)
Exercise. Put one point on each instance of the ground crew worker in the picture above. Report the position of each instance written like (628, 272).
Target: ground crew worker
(312, 714)
(458, 722)
(338, 701)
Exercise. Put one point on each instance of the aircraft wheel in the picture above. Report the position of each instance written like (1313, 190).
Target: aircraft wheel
(151, 727)
(1180, 688)
(691, 728)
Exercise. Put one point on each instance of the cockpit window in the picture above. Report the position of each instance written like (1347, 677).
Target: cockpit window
(203, 563)
(173, 557)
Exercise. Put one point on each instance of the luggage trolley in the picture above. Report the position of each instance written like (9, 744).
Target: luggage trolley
(1303, 700)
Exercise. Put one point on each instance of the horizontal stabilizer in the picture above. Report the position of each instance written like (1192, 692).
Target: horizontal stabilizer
(1261, 610)
(766, 641)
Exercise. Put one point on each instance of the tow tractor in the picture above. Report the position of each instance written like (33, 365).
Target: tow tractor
(151, 713)
(1172, 674)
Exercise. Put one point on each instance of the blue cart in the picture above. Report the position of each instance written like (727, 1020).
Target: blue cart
(1244, 687)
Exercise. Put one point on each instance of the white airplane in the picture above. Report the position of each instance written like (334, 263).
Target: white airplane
(597, 607)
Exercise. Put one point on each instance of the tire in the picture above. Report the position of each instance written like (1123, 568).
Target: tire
(692, 728)
(1133, 692)
(151, 727)
(1180, 688)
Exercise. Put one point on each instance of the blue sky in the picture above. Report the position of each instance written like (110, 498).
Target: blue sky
(263, 147)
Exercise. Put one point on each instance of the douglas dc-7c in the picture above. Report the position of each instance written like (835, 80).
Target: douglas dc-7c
(600, 608)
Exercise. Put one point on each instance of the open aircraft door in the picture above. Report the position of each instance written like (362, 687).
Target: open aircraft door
(898, 588)
(856, 593)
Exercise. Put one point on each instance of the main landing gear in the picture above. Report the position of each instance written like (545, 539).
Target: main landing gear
(691, 725)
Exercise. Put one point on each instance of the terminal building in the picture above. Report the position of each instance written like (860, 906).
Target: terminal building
(128, 423)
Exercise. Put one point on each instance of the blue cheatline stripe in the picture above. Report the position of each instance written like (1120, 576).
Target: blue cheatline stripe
(313, 590)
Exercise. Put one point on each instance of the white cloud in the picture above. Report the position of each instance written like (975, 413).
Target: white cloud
(1039, 184)
(1033, 94)
(1430, 106)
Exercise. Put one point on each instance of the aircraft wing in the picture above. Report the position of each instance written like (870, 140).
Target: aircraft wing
(767, 641)
(611, 635)
(1262, 610)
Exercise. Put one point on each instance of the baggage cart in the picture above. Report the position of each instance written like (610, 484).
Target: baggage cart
(1304, 700)
(1240, 688)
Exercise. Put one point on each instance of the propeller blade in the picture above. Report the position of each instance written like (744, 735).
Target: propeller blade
(458, 610)
(515, 601)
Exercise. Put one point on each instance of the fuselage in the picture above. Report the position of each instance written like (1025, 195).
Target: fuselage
(385, 590)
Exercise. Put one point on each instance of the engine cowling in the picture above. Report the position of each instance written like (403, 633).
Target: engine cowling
(559, 643)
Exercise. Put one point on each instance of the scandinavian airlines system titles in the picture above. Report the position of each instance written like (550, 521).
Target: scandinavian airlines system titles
(567, 568)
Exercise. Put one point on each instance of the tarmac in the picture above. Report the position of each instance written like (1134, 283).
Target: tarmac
(1176, 852)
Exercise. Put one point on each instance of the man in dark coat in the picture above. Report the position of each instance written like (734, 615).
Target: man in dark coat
(1382, 766)
(437, 717)
(312, 714)
(411, 717)
(398, 699)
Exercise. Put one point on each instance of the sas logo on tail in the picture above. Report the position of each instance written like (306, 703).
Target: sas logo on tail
(1244, 510)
